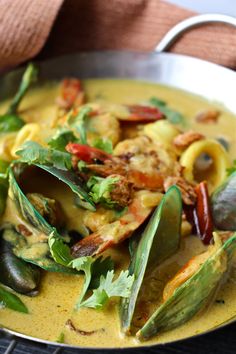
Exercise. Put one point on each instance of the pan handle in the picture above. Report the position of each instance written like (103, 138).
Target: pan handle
(174, 33)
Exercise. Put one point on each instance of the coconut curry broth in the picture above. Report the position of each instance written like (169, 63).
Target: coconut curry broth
(51, 309)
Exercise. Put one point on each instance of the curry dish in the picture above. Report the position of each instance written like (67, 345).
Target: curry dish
(117, 203)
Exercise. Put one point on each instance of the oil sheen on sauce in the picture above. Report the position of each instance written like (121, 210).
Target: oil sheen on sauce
(50, 310)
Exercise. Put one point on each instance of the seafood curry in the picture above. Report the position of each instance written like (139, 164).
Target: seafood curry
(117, 203)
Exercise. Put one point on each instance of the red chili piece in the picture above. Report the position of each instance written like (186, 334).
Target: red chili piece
(143, 114)
(202, 217)
(87, 153)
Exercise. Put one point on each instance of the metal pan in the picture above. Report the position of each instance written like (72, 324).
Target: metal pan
(200, 77)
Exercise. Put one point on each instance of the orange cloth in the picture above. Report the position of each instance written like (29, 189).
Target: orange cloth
(25, 26)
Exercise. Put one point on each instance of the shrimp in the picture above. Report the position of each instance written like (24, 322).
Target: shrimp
(115, 232)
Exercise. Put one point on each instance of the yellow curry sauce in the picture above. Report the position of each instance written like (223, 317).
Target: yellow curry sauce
(50, 310)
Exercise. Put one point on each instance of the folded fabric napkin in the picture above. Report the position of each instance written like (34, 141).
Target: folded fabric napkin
(52, 27)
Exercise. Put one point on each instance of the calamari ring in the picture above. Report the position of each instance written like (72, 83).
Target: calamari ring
(215, 151)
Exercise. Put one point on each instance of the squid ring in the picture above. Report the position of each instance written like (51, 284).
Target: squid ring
(215, 151)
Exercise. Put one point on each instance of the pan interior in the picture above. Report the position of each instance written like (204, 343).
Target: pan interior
(51, 309)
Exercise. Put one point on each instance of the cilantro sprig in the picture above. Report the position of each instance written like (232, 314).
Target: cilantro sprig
(101, 188)
(33, 153)
(99, 274)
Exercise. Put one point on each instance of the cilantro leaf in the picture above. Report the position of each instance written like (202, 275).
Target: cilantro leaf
(83, 264)
(59, 250)
(104, 144)
(100, 189)
(173, 116)
(61, 139)
(108, 288)
(79, 123)
(33, 153)
(99, 274)
(231, 169)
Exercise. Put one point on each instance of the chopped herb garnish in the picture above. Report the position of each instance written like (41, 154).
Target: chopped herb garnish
(101, 188)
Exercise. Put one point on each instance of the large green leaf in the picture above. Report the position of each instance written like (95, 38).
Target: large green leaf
(159, 240)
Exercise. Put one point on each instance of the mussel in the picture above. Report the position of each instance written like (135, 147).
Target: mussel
(15, 273)
(159, 240)
(36, 252)
(223, 204)
(191, 289)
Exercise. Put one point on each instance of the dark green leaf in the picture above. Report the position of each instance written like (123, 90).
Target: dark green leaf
(11, 301)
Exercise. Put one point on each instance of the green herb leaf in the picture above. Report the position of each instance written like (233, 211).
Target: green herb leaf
(11, 301)
(109, 288)
(173, 116)
(61, 139)
(100, 189)
(10, 123)
(231, 169)
(29, 76)
(59, 250)
(79, 123)
(104, 144)
(33, 153)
